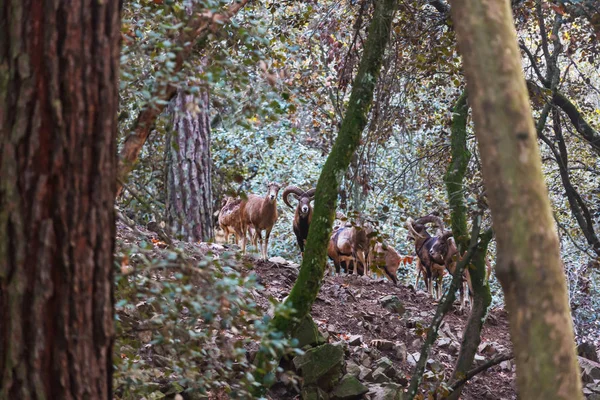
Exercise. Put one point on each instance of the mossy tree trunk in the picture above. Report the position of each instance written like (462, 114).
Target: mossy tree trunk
(59, 67)
(529, 265)
(455, 184)
(188, 169)
(309, 280)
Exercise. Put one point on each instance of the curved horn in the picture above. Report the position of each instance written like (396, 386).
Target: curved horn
(291, 190)
(310, 193)
(409, 224)
(446, 235)
(433, 219)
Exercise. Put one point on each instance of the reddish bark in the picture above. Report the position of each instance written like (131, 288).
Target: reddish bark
(58, 100)
(189, 188)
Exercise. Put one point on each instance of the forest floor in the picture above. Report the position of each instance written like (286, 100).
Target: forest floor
(348, 308)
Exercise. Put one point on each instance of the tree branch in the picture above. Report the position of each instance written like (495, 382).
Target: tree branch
(481, 368)
(192, 37)
(442, 310)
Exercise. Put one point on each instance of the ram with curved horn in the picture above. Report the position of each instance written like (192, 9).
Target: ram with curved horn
(431, 270)
(444, 251)
(303, 214)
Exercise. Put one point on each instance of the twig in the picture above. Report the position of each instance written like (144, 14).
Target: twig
(441, 311)
(481, 368)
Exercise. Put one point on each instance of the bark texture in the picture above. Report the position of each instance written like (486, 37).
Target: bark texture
(193, 36)
(188, 175)
(310, 277)
(529, 265)
(59, 66)
(482, 297)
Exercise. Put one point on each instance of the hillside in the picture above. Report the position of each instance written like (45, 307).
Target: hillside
(349, 309)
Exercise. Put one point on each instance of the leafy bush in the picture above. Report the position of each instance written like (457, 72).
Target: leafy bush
(187, 324)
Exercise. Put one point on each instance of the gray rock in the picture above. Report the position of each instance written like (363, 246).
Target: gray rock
(349, 388)
(355, 340)
(365, 373)
(400, 351)
(384, 363)
(308, 334)
(278, 260)
(392, 303)
(313, 393)
(506, 365)
(590, 370)
(413, 358)
(321, 366)
(379, 376)
(388, 391)
(352, 368)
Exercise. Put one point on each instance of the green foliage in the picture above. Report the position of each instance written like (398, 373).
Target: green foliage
(187, 325)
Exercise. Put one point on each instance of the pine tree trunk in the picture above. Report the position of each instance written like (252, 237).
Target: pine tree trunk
(529, 265)
(59, 66)
(189, 187)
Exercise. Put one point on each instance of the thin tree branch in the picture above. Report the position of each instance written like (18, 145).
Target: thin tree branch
(481, 368)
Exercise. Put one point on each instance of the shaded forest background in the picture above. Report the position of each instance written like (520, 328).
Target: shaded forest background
(220, 98)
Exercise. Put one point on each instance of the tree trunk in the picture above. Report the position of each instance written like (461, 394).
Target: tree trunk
(188, 175)
(529, 265)
(193, 36)
(309, 280)
(456, 199)
(59, 66)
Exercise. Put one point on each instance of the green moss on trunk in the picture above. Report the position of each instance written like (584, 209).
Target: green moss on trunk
(456, 199)
(309, 280)
(310, 277)
(528, 265)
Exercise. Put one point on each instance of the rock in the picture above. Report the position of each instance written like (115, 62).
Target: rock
(392, 303)
(352, 368)
(321, 366)
(368, 316)
(308, 334)
(313, 393)
(388, 391)
(384, 363)
(355, 340)
(416, 343)
(590, 370)
(365, 373)
(349, 388)
(379, 376)
(454, 347)
(491, 349)
(413, 358)
(587, 350)
(366, 361)
(478, 358)
(400, 351)
(443, 342)
(278, 260)
(506, 365)
(434, 366)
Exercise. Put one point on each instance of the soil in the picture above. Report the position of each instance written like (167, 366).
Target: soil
(348, 305)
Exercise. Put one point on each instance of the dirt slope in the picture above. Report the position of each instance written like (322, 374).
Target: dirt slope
(348, 308)
(349, 305)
